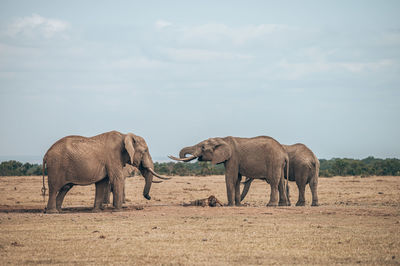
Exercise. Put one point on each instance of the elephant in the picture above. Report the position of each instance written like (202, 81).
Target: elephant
(303, 168)
(259, 157)
(128, 171)
(78, 160)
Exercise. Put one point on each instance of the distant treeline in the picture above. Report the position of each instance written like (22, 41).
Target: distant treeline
(11, 168)
(328, 168)
(365, 167)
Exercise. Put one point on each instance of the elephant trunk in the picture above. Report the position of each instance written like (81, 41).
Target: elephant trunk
(188, 150)
(147, 170)
(149, 180)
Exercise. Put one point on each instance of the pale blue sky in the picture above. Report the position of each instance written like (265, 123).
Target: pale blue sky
(324, 73)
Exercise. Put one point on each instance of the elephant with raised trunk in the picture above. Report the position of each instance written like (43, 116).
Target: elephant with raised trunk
(303, 168)
(259, 157)
(77, 160)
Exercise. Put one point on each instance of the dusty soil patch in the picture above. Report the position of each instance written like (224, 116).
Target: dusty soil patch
(358, 222)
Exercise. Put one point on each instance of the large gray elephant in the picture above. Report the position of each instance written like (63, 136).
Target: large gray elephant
(303, 168)
(259, 157)
(77, 160)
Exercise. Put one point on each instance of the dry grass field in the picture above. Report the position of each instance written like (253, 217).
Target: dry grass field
(358, 222)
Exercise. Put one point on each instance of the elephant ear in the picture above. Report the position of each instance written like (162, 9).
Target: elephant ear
(222, 152)
(128, 142)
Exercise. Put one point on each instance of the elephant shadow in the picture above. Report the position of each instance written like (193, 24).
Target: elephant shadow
(12, 209)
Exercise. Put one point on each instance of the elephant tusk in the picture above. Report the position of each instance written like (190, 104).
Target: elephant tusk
(157, 175)
(187, 159)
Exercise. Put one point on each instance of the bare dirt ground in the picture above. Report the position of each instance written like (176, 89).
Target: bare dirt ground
(358, 222)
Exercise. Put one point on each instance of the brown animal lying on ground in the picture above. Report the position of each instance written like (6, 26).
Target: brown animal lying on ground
(211, 201)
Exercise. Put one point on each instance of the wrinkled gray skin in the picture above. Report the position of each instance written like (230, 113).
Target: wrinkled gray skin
(77, 160)
(260, 157)
(303, 168)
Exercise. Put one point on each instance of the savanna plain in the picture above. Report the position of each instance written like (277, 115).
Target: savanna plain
(357, 222)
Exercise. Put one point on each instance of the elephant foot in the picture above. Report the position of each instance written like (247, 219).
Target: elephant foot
(51, 211)
(272, 204)
(284, 203)
(97, 209)
(314, 204)
(301, 203)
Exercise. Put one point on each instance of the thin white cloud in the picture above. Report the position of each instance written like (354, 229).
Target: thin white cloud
(140, 62)
(202, 55)
(217, 32)
(36, 25)
(300, 70)
(161, 24)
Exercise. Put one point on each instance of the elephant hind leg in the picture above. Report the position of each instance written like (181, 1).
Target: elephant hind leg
(61, 194)
(273, 199)
(51, 203)
(302, 187)
(313, 186)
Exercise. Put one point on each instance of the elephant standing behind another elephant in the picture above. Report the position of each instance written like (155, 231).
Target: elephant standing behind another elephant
(259, 157)
(303, 168)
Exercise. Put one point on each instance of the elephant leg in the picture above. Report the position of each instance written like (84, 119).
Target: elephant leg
(231, 180)
(246, 188)
(283, 196)
(230, 190)
(273, 199)
(237, 190)
(102, 187)
(301, 186)
(313, 186)
(51, 203)
(118, 194)
(123, 196)
(61, 195)
(116, 178)
(107, 192)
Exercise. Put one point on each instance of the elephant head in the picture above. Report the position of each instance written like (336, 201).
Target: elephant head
(139, 156)
(216, 150)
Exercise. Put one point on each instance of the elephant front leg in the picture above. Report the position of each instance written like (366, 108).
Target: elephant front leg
(232, 184)
(118, 194)
(107, 193)
(230, 190)
(237, 190)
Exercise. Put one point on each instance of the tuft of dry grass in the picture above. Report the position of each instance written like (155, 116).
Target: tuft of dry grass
(358, 222)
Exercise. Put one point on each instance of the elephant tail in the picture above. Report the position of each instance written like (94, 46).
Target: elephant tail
(287, 178)
(43, 172)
